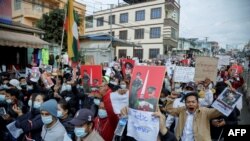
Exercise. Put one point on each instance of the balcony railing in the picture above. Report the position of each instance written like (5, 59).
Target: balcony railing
(172, 4)
(31, 13)
(171, 22)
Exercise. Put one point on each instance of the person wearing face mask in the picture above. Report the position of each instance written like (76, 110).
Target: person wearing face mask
(63, 113)
(52, 129)
(31, 122)
(84, 126)
(103, 123)
(119, 98)
(2, 98)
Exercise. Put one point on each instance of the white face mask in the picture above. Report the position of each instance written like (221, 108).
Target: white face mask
(8, 101)
(123, 86)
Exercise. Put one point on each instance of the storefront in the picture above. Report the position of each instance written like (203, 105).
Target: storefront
(15, 41)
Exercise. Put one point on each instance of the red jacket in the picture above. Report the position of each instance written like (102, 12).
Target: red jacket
(111, 121)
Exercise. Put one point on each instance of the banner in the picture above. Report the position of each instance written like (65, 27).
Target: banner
(184, 74)
(206, 67)
(142, 125)
(145, 87)
(227, 101)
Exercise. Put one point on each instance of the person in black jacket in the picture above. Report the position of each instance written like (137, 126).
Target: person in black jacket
(64, 114)
(31, 122)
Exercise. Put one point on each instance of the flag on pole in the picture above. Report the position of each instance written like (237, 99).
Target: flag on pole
(72, 33)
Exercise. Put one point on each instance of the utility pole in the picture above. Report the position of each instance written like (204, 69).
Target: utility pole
(110, 23)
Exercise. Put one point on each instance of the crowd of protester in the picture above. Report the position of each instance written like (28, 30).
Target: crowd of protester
(73, 109)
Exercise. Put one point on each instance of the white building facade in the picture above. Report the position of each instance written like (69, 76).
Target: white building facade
(153, 24)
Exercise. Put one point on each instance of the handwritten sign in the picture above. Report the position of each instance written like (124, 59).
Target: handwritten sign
(227, 101)
(142, 125)
(223, 60)
(206, 67)
(184, 74)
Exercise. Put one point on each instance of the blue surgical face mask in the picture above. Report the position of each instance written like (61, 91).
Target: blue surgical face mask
(97, 101)
(30, 102)
(102, 113)
(2, 97)
(59, 114)
(47, 119)
(5, 86)
(37, 105)
(80, 132)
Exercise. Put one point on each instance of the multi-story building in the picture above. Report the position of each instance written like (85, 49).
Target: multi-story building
(29, 11)
(152, 23)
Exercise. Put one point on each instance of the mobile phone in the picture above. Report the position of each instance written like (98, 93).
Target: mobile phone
(2, 111)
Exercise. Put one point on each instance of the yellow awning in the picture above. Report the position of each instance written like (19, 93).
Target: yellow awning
(13, 39)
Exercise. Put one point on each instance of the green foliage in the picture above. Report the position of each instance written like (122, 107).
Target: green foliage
(53, 23)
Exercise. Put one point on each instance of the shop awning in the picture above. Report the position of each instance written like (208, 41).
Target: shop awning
(13, 39)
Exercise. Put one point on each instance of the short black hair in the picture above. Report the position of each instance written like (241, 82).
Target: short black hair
(192, 94)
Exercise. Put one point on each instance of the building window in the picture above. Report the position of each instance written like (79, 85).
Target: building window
(138, 53)
(139, 33)
(112, 19)
(123, 35)
(154, 52)
(156, 13)
(17, 4)
(140, 15)
(99, 21)
(89, 22)
(122, 53)
(155, 32)
(124, 18)
(173, 33)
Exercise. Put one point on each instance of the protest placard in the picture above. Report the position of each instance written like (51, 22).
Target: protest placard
(48, 68)
(145, 87)
(127, 68)
(48, 83)
(35, 74)
(142, 126)
(27, 72)
(15, 132)
(206, 67)
(224, 60)
(91, 74)
(227, 101)
(184, 74)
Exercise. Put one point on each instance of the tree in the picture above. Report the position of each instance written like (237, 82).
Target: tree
(52, 23)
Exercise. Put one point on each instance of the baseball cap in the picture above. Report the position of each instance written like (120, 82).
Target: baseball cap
(15, 83)
(82, 116)
(191, 85)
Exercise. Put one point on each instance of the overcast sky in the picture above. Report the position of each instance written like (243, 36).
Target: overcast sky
(225, 21)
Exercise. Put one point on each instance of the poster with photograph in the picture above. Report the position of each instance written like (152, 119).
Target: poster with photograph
(35, 74)
(48, 68)
(227, 101)
(127, 68)
(48, 83)
(91, 74)
(145, 87)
